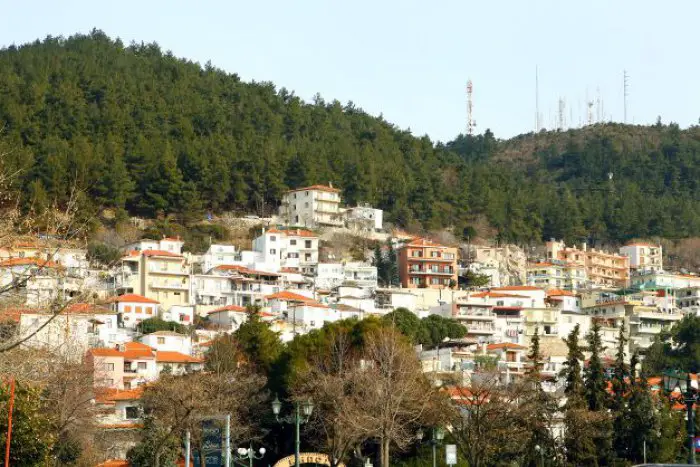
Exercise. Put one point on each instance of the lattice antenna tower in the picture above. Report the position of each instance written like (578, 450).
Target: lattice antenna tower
(625, 77)
(561, 123)
(471, 124)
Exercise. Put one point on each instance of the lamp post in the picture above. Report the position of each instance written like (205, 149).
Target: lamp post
(249, 453)
(435, 440)
(300, 409)
(539, 449)
(677, 380)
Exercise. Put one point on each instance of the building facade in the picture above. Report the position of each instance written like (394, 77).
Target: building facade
(602, 268)
(644, 256)
(426, 264)
(313, 206)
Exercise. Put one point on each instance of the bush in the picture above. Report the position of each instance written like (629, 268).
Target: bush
(103, 253)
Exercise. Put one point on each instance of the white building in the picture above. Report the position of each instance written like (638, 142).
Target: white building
(644, 256)
(169, 244)
(168, 341)
(332, 275)
(79, 327)
(230, 317)
(132, 309)
(289, 249)
(688, 300)
(663, 280)
(365, 218)
(312, 206)
(179, 314)
(329, 275)
(177, 363)
(218, 254)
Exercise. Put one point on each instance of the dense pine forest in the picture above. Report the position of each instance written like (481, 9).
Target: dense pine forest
(146, 133)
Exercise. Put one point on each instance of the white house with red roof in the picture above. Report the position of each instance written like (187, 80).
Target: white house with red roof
(177, 363)
(126, 366)
(168, 341)
(295, 249)
(230, 317)
(312, 206)
(133, 308)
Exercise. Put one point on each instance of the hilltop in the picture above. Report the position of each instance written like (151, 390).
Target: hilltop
(145, 133)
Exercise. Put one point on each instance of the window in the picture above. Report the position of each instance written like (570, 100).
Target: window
(306, 205)
(127, 385)
(139, 309)
(273, 238)
(149, 310)
(434, 254)
(415, 280)
(446, 282)
(307, 257)
(161, 340)
(307, 193)
(108, 382)
(273, 251)
(108, 366)
(308, 244)
(312, 323)
(292, 242)
(292, 255)
(132, 413)
(435, 281)
(127, 309)
(142, 365)
(499, 303)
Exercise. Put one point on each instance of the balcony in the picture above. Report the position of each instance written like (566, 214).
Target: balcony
(481, 329)
(464, 313)
(659, 315)
(169, 285)
(170, 272)
(430, 272)
(439, 259)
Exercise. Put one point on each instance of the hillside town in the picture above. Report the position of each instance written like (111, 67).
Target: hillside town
(103, 309)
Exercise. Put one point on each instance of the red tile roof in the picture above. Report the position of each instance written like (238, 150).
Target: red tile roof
(239, 309)
(103, 395)
(560, 293)
(172, 239)
(8, 263)
(496, 295)
(175, 357)
(328, 189)
(132, 298)
(114, 463)
(137, 350)
(161, 253)
(505, 346)
(289, 297)
(419, 242)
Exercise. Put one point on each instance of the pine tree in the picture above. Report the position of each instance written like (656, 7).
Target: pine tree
(572, 367)
(594, 374)
(619, 406)
(535, 357)
(392, 265)
(380, 263)
(641, 417)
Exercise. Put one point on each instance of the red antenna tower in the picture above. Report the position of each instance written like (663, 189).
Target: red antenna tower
(471, 124)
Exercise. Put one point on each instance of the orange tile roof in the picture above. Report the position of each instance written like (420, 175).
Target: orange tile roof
(517, 287)
(496, 295)
(86, 308)
(103, 395)
(172, 239)
(560, 293)
(8, 263)
(14, 314)
(328, 189)
(175, 357)
(114, 463)
(105, 352)
(418, 242)
(132, 298)
(506, 346)
(288, 296)
(161, 253)
(237, 308)
(137, 350)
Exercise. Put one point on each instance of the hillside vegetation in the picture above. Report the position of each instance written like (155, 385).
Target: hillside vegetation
(143, 132)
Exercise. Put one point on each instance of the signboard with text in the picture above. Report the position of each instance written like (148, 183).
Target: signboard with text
(451, 454)
(212, 445)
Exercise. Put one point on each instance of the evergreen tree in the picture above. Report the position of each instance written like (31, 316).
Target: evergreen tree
(536, 359)
(392, 265)
(572, 367)
(594, 374)
(642, 422)
(380, 263)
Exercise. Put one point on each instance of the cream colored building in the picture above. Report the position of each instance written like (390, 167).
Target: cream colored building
(312, 206)
(602, 268)
(644, 256)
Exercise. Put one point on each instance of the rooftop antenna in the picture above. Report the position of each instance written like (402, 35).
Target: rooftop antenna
(537, 100)
(562, 108)
(624, 93)
(470, 109)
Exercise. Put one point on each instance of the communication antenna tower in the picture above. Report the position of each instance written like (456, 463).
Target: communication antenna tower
(562, 109)
(624, 93)
(470, 109)
(537, 101)
(590, 112)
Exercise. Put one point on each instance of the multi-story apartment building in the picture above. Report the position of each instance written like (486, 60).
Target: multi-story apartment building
(292, 249)
(160, 275)
(602, 268)
(556, 275)
(644, 256)
(365, 218)
(217, 255)
(423, 263)
(312, 206)
(331, 275)
(247, 286)
(131, 309)
(642, 315)
(688, 300)
(478, 317)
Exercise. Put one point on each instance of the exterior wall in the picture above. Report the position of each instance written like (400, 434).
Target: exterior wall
(231, 319)
(422, 264)
(179, 314)
(602, 268)
(545, 319)
(560, 276)
(644, 256)
(139, 371)
(165, 279)
(217, 255)
(366, 218)
(312, 206)
(212, 290)
(662, 280)
(108, 371)
(568, 321)
(168, 342)
(133, 313)
(329, 275)
(478, 318)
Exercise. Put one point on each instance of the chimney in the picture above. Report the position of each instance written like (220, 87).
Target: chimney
(330, 184)
(584, 247)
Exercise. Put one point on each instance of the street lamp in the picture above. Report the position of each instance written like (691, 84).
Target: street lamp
(435, 440)
(539, 449)
(249, 453)
(678, 380)
(305, 408)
